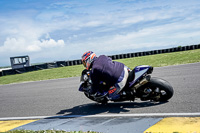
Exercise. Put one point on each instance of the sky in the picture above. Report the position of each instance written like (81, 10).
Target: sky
(58, 30)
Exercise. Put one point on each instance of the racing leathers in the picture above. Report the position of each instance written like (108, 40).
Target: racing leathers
(112, 73)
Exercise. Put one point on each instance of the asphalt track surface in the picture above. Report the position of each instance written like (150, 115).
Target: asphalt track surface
(61, 97)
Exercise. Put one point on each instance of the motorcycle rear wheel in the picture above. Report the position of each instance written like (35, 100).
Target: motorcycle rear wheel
(165, 90)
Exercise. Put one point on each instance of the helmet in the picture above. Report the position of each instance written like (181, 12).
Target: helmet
(88, 58)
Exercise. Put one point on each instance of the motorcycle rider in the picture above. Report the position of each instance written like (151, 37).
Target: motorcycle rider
(103, 69)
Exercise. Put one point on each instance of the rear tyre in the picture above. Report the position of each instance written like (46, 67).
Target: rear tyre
(161, 89)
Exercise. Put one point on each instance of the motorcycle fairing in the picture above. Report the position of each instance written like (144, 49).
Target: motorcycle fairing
(113, 93)
(139, 71)
(81, 86)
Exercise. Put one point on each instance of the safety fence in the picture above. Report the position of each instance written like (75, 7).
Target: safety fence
(78, 62)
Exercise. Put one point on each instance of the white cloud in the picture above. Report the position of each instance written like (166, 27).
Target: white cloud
(22, 45)
(24, 36)
(169, 34)
(33, 48)
(51, 43)
(104, 26)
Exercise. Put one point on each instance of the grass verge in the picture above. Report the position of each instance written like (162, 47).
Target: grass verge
(158, 60)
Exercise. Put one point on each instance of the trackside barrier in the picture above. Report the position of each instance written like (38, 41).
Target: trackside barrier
(153, 52)
(78, 62)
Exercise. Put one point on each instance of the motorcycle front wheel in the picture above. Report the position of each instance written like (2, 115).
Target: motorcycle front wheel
(102, 100)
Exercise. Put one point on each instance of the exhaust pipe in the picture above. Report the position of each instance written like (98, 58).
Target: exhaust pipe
(142, 82)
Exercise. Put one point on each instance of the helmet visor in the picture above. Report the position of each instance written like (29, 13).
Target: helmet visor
(84, 63)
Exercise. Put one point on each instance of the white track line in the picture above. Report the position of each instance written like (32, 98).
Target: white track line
(108, 115)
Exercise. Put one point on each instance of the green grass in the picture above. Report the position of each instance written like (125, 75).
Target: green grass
(167, 59)
(158, 60)
(55, 73)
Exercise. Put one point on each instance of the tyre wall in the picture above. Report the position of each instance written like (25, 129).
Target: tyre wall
(78, 62)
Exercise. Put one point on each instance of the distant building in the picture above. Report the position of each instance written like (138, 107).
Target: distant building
(19, 61)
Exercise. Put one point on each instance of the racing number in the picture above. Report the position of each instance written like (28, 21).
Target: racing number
(112, 90)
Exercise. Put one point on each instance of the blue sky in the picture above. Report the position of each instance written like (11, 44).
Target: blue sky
(54, 30)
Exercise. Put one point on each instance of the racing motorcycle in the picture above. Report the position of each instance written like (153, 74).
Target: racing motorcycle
(139, 84)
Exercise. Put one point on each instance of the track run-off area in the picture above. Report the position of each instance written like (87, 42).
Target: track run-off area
(59, 105)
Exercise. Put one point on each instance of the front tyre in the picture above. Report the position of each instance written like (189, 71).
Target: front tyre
(160, 89)
(99, 100)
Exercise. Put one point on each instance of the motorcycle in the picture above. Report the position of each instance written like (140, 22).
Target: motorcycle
(139, 84)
